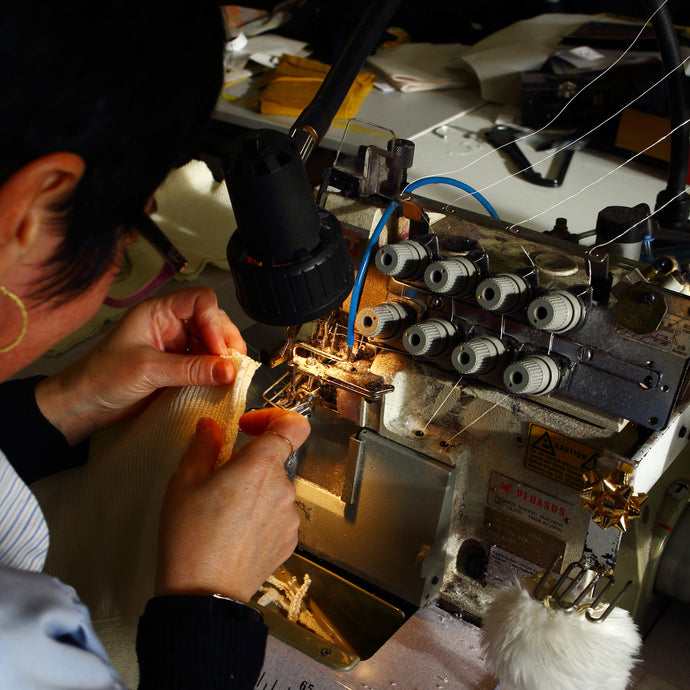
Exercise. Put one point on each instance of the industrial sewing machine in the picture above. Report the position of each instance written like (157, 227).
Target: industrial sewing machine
(510, 401)
(488, 403)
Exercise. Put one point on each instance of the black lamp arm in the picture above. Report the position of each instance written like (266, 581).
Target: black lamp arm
(316, 118)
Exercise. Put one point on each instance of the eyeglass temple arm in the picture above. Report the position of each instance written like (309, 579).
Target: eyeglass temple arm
(174, 263)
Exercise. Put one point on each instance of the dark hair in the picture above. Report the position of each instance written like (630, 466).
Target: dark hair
(127, 85)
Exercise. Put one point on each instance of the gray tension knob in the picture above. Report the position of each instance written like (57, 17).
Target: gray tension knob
(556, 312)
(405, 259)
(385, 320)
(452, 276)
(431, 338)
(504, 293)
(478, 356)
(533, 375)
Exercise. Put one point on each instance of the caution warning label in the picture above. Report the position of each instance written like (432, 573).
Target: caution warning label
(559, 457)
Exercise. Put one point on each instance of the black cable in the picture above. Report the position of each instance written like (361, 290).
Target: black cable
(675, 215)
(319, 114)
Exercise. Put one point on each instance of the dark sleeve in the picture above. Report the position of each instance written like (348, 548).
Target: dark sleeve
(34, 447)
(186, 643)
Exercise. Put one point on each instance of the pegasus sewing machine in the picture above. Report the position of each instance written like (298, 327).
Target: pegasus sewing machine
(486, 403)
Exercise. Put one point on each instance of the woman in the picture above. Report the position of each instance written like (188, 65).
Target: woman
(98, 102)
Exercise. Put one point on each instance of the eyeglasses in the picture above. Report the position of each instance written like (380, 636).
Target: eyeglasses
(174, 262)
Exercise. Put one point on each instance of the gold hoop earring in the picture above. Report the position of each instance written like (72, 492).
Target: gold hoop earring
(25, 319)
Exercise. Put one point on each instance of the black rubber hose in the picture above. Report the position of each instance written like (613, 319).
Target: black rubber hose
(319, 114)
(674, 215)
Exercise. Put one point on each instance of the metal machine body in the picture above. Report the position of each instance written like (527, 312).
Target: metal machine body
(469, 439)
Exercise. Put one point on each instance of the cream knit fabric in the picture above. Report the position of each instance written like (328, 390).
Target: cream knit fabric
(104, 516)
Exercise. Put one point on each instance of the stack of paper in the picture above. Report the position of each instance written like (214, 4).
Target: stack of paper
(423, 66)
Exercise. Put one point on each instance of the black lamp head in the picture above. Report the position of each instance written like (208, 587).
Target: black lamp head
(289, 259)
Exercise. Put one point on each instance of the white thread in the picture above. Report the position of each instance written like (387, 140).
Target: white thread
(610, 172)
(647, 217)
(297, 599)
(529, 258)
(438, 409)
(478, 418)
(569, 102)
(559, 150)
(514, 227)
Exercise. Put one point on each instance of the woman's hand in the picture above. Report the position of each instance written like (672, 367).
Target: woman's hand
(226, 530)
(175, 340)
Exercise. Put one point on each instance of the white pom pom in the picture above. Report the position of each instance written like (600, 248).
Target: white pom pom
(534, 645)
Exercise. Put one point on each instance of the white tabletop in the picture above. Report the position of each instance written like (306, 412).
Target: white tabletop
(594, 180)
(408, 115)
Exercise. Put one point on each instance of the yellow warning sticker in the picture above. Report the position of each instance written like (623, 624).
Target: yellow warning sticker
(559, 457)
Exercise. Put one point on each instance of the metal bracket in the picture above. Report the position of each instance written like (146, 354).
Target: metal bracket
(503, 138)
(560, 597)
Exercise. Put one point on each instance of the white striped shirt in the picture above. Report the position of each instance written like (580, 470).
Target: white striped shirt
(47, 641)
(23, 530)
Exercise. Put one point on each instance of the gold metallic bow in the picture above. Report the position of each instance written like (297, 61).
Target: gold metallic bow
(611, 498)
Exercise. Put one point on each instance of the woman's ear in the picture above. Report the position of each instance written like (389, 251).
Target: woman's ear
(29, 197)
